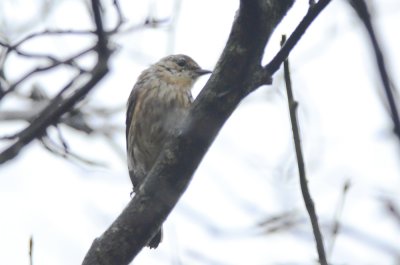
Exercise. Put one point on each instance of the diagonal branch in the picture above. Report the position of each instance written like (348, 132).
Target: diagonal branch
(237, 73)
(175, 166)
(70, 61)
(262, 75)
(362, 11)
(313, 12)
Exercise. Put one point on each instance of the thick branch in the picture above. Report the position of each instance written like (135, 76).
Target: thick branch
(172, 173)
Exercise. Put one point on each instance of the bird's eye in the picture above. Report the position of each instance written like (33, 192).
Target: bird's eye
(181, 62)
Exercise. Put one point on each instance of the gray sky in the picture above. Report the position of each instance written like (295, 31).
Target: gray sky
(250, 173)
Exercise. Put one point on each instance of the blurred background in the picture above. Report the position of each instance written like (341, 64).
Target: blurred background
(244, 205)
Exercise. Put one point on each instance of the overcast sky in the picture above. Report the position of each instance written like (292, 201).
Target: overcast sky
(249, 174)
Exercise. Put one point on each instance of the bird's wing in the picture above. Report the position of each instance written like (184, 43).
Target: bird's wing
(131, 105)
(130, 109)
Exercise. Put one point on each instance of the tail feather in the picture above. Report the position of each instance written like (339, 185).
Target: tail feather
(155, 241)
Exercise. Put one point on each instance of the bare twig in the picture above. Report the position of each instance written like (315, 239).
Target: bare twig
(64, 152)
(78, 118)
(305, 23)
(237, 73)
(371, 240)
(362, 10)
(392, 208)
(281, 222)
(33, 120)
(51, 114)
(121, 19)
(31, 250)
(59, 106)
(69, 61)
(336, 225)
(101, 35)
(171, 174)
(53, 61)
(262, 75)
(300, 163)
(49, 32)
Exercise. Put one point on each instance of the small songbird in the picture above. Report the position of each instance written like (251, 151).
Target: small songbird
(157, 104)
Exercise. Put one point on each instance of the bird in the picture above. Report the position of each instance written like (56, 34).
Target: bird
(158, 102)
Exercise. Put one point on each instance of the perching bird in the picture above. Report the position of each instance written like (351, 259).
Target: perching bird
(157, 104)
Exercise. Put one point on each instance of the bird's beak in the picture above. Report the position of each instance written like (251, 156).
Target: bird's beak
(203, 72)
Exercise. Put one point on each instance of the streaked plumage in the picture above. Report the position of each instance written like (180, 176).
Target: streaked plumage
(157, 104)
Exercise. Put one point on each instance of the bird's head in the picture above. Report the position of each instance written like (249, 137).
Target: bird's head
(180, 70)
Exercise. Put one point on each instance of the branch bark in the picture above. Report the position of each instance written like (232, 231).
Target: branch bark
(59, 106)
(361, 9)
(293, 104)
(237, 73)
(172, 173)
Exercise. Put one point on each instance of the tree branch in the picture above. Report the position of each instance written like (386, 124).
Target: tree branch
(362, 11)
(262, 75)
(237, 73)
(173, 170)
(59, 106)
(55, 63)
(293, 104)
(336, 223)
(313, 11)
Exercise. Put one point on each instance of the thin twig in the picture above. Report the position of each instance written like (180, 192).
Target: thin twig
(101, 35)
(171, 174)
(121, 19)
(59, 106)
(300, 163)
(281, 222)
(31, 250)
(49, 32)
(291, 42)
(51, 114)
(336, 225)
(69, 61)
(65, 153)
(54, 62)
(362, 11)
(56, 101)
(392, 208)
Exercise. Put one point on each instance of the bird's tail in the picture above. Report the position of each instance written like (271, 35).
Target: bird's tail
(155, 241)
